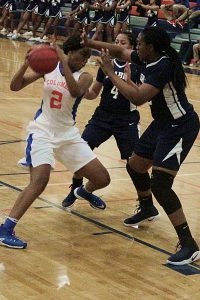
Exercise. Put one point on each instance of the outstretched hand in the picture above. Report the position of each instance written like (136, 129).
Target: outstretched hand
(105, 62)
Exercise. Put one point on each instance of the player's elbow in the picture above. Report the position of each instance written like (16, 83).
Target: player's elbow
(138, 100)
(14, 87)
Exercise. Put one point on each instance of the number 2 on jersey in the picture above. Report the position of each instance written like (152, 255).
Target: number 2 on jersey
(55, 102)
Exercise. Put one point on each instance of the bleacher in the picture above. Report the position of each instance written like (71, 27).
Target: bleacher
(177, 34)
(137, 23)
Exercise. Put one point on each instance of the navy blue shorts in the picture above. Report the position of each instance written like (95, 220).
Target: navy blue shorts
(3, 3)
(41, 9)
(11, 6)
(108, 20)
(167, 144)
(54, 12)
(31, 7)
(122, 19)
(124, 128)
(96, 19)
(24, 6)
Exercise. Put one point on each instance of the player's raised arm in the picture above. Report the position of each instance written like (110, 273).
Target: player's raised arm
(20, 79)
(76, 88)
(115, 50)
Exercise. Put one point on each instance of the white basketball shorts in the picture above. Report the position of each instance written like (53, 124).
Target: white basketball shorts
(45, 144)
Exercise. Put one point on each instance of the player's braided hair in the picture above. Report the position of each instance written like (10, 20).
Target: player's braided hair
(73, 43)
(160, 40)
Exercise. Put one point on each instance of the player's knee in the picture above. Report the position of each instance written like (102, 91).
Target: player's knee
(140, 180)
(161, 187)
(103, 180)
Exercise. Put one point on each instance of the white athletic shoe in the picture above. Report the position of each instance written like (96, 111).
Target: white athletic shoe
(27, 33)
(15, 36)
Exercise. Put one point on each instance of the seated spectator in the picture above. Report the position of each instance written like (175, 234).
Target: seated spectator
(188, 16)
(196, 55)
(174, 10)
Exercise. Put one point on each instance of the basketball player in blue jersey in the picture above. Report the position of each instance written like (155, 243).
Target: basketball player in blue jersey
(167, 140)
(115, 115)
(108, 20)
(122, 23)
(53, 133)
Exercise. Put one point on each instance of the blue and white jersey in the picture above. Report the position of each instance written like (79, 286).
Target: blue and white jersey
(75, 3)
(85, 14)
(58, 106)
(111, 99)
(109, 3)
(58, 3)
(124, 11)
(98, 13)
(171, 102)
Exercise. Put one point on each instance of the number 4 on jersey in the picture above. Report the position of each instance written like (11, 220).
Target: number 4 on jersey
(114, 92)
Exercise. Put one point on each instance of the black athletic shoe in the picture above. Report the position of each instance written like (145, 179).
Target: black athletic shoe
(70, 199)
(95, 201)
(188, 253)
(143, 214)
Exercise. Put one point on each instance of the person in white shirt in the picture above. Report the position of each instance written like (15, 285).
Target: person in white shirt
(53, 133)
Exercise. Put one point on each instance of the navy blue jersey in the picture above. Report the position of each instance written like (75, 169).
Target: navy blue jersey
(75, 3)
(124, 11)
(171, 102)
(98, 14)
(109, 14)
(111, 99)
(57, 2)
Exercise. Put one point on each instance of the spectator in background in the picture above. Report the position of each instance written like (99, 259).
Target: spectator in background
(122, 23)
(140, 9)
(98, 15)
(196, 55)
(188, 16)
(70, 22)
(174, 10)
(151, 12)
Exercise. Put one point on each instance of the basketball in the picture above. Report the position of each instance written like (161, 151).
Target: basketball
(43, 59)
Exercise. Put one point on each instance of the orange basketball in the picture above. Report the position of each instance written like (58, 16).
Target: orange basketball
(43, 59)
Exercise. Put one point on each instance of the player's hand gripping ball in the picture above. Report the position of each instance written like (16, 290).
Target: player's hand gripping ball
(43, 59)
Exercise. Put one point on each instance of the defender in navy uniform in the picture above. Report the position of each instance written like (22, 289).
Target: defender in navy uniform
(115, 115)
(167, 140)
(122, 23)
